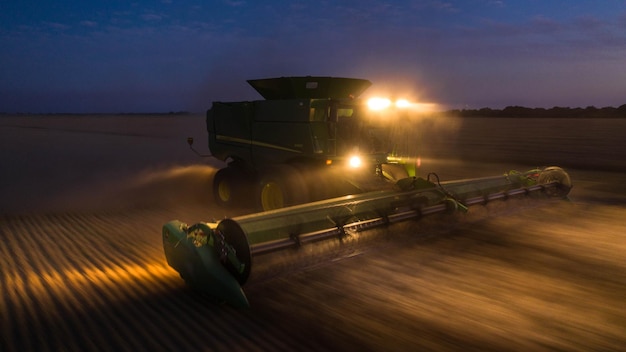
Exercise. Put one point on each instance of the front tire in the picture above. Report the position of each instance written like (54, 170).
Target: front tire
(280, 187)
(228, 186)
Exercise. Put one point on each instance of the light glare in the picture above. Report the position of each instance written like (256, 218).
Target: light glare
(402, 103)
(378, 103)
(355, 161)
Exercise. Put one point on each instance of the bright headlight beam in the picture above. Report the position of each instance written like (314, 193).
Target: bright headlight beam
(378, 103)
(355, 161)
(402, 103)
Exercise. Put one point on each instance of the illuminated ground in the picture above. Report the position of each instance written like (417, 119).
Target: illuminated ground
(82, 266)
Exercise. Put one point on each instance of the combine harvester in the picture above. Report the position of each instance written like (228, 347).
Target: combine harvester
(218, 258)
(311, 138)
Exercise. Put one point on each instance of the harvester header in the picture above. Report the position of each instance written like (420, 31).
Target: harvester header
(218, 258)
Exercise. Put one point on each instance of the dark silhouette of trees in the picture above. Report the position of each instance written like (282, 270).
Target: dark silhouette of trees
(557, 111)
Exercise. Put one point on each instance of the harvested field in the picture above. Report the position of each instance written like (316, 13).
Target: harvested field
(82, 266)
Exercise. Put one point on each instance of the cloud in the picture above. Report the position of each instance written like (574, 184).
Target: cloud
(235, 3)
(588, 23)
(56, 26)
(151, 17)
(544, 25)
(445, 6)
(88, 23)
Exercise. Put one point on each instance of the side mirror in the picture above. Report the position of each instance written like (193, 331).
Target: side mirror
(190, 142)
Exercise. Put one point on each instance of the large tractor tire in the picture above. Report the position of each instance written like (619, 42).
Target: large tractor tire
(281, 186)
(229, 186)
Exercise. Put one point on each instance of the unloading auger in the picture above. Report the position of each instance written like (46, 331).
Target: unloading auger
(216, 258)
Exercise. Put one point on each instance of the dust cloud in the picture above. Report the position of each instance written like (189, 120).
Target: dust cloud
(168, 188)
(78, 162)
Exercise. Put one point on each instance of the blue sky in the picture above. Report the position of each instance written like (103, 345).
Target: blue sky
(151, 56)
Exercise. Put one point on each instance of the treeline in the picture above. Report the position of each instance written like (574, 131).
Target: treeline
(98, 113)
(564, 112)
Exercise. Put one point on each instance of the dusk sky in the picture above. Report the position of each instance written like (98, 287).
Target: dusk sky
(169, 55)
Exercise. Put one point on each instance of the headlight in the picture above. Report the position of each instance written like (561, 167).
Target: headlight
(378, 103)
(355, 161)
(402, 103)
(384, 103)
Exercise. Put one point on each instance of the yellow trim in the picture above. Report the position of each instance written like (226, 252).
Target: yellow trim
(255, 143)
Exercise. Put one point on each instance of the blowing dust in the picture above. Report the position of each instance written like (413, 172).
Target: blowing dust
(83, 163)
(424, 135)
(167, 188)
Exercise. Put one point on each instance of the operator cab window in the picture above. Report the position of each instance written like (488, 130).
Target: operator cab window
(320, 114)
(344, 112)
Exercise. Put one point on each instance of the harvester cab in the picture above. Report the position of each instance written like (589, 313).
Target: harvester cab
(311, 138)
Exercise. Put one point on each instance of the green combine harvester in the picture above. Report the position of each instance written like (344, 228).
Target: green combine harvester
(310, 139)
(313, 131)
